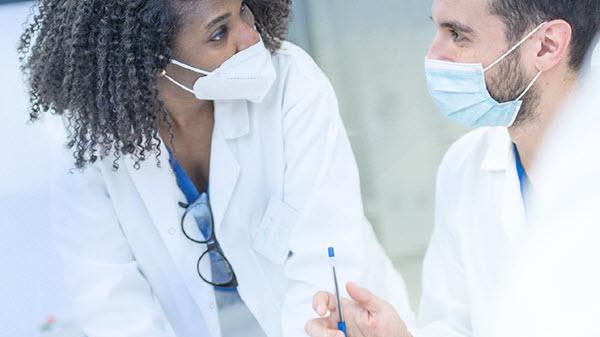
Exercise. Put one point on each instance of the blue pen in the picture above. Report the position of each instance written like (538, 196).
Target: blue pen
(341, 322)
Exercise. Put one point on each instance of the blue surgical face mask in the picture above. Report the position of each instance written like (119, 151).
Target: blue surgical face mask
(460, 92)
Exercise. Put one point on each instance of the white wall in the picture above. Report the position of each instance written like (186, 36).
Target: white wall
(30, 288)
(374, 52)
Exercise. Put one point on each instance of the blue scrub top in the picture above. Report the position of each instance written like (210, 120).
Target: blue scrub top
(233, 312)
(523, 179)
(183, 181)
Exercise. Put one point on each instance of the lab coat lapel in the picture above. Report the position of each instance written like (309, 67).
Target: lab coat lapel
(156, 186)
(500, 160)
(514, 216)
(160, 193)
(231, 123)
(159, 190)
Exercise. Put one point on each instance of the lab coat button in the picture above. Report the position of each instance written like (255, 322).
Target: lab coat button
(212, 306)
(172, 231)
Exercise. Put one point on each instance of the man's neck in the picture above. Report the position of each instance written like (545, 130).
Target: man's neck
(528, 136)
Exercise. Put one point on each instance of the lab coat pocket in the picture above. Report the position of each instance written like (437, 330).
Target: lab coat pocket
(272, 237)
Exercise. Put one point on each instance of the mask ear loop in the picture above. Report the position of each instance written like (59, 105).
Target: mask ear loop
(196, 70)
(529, 86)
(164, 74)
(515, 47)
(185, 66)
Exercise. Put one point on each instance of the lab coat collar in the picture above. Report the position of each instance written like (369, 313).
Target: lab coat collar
(232, 121)
(224, 173)
(156, 186)
(500, 158)
(233, 118)
(499, 154)
(514, 214)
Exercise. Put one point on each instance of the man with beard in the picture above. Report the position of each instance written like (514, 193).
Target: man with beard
(503, 67)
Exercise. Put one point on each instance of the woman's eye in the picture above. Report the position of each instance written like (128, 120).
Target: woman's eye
(219, 35)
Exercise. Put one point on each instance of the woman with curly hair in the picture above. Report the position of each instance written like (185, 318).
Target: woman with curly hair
(213, 169)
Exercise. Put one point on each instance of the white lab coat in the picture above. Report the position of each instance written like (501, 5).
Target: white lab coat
(479, 217)
(283, 185)
(552, 289)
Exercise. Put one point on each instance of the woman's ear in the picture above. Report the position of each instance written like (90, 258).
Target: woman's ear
(555, 44)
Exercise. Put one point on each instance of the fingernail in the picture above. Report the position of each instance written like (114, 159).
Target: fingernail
(321, 309)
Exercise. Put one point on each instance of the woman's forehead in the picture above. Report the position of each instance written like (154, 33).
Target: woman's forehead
(205, 12)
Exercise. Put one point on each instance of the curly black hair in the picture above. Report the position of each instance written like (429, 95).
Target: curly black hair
(96, 62)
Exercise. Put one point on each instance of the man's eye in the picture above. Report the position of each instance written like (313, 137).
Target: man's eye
(456, 36)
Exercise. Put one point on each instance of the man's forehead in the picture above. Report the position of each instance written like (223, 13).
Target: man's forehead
(465, 11)
(473, 14)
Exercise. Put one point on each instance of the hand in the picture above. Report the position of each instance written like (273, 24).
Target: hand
(365, 316)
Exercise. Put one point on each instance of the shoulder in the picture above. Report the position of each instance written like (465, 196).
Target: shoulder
(297, 71)
(305, 94)
(297, 61)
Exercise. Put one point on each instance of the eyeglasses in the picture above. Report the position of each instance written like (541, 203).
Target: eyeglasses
(198, 226)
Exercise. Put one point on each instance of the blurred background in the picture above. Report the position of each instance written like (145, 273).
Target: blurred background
(373, 53)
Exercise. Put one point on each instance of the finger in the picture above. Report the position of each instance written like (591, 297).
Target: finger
(321, 327)
(347, 304)
(323, 301)
(331, 302)
(364, 297)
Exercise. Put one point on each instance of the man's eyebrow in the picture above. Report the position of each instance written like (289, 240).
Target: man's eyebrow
(217, 20)
(457, 26)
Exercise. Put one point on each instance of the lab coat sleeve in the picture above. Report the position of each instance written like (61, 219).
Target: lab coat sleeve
(321, 182)
(109, 294)
(444, 308)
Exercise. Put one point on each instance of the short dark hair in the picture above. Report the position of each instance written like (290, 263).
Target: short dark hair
(520, 16)
(96, 62)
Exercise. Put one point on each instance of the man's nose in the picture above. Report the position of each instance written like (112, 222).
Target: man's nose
(435, 49)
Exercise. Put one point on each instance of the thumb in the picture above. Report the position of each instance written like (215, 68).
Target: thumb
(364, 297)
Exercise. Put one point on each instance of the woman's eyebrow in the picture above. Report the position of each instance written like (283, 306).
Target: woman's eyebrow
(217, 20)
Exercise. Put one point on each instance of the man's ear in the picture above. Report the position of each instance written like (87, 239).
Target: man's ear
(554, 44)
